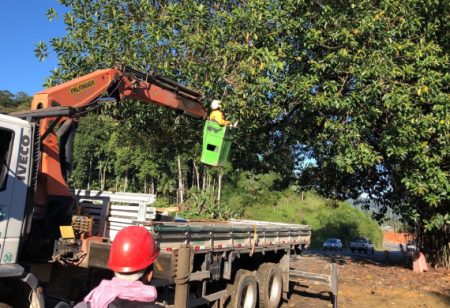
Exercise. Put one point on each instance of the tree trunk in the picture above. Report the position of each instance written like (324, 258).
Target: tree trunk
(435, 242)
(103, 184)
(100, 172)
(89, 175)
(437, 247)
(197, 176)
(204, 180)
(209, 181)
(180, 181)
(219, 188)
(125, 182)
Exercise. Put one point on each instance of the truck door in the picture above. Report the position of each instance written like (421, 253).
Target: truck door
(15, 155)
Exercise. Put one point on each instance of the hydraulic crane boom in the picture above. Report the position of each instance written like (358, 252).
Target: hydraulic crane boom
(84, 92)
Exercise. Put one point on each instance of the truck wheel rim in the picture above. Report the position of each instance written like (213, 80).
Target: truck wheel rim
(274, 289)
(248, 297)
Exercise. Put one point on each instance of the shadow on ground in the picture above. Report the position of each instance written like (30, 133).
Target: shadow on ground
(322, 295)
(444, 298)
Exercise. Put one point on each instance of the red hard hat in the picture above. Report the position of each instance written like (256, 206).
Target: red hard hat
(133, 249)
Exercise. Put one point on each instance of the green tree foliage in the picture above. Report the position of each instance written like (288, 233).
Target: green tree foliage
(380, 111)
(361, 86)
(93, 155)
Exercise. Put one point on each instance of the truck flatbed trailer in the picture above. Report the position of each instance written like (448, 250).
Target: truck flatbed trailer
(236, 235)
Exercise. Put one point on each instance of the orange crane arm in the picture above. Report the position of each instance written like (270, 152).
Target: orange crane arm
(121, 83)
(85, 91)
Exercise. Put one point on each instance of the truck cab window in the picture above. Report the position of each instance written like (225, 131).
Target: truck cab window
(6, 138)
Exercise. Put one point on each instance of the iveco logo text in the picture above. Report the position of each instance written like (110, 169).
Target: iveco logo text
(23, 158)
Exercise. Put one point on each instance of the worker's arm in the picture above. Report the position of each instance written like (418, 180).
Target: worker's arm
(84, 92)
(218, 116)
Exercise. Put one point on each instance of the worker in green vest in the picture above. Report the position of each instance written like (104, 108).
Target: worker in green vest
(217, 114)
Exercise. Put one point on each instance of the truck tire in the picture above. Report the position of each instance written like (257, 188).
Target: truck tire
(15, 293)
(270, 285)
(244, 291)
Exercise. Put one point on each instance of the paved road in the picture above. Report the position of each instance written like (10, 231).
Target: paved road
(379, 256)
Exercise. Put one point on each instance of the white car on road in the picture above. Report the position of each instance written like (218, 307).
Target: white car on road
(362, 244)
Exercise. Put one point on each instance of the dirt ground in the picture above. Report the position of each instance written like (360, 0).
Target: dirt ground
(370, 281)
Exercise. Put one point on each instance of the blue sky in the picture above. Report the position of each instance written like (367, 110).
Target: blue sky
(23, 24)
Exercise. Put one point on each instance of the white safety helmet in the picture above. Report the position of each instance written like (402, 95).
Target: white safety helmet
(216, 104)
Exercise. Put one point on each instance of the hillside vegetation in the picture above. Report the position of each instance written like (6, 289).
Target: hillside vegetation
(260, 197)
(327, 219)
(10, 102)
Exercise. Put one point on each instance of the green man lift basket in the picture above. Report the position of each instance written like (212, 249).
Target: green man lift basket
(216, 144)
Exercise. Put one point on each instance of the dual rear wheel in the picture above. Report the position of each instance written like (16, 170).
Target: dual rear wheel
(270, 282)
(264, 288)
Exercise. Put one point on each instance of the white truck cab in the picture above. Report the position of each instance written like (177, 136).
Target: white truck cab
(16, 154)
(15, 158)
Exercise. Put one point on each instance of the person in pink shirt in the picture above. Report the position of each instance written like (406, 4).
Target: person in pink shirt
(131, 257)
